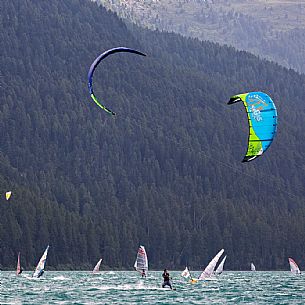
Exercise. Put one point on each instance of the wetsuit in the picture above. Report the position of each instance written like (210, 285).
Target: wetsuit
(166, 278)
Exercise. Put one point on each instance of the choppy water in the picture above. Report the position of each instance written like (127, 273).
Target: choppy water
(127, 288)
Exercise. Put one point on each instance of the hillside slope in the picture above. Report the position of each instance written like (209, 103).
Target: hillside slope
(271, 29)
(165, 172)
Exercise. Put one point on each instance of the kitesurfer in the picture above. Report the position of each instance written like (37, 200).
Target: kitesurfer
(166, 279)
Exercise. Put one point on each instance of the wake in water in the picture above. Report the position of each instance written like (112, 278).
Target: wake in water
(136, 286)
(61, 278)
(29, 277)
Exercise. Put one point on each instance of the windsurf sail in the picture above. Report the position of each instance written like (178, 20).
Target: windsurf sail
(41, 265)
(141, 263)
(262, 118)
(208, 271)
(219, 269)
(97, 266)
(253, 267)
(294, 268)
(185, 273)
(18, 270)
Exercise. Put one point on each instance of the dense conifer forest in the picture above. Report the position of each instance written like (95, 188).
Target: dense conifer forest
(165, 172)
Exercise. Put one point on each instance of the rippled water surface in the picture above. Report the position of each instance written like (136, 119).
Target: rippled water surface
(122, 287)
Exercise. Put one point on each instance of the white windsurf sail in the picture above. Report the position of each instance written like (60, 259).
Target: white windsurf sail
(141, 263)
(219, 269)
(18, 270)
(208, 271)
(294, 268)
(185, 273)
(97, 266)
(253, 267)
(42, 262)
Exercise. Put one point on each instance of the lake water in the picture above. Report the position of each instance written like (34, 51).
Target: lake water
(121, 287)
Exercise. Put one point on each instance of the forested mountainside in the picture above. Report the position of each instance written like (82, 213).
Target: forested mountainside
(165, 172)
(272, 29)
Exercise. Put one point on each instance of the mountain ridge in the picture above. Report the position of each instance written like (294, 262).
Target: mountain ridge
(274, 30)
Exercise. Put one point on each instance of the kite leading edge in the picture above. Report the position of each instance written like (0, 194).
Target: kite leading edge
(95, 64)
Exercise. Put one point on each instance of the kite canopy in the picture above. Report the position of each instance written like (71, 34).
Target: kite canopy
(95, 64)
(8, 195)
(262, 118)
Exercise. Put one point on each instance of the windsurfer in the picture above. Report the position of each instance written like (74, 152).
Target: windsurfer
(41, 272)
(143, 273)
(166, 279)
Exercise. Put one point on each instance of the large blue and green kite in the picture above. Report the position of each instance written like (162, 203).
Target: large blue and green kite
(262, 117)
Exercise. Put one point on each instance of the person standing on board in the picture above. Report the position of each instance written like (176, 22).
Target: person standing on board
(143, 273)
(166, 279)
